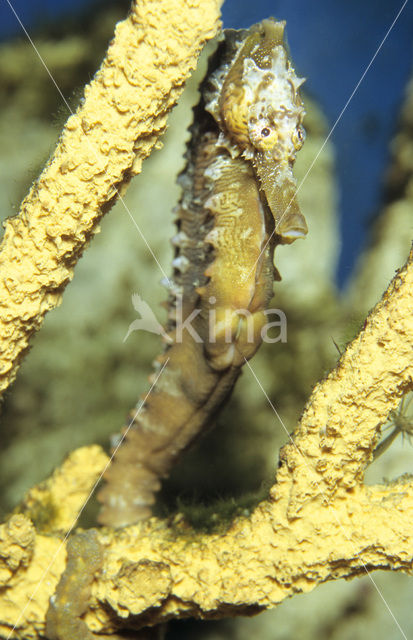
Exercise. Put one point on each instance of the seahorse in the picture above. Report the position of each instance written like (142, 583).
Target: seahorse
(238, 202)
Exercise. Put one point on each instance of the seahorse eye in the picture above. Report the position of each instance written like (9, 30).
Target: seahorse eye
(265, 132)
(298, 137)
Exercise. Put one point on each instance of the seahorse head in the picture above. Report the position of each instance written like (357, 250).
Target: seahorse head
(257, 106)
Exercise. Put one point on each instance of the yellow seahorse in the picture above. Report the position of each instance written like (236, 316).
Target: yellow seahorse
(238, 203)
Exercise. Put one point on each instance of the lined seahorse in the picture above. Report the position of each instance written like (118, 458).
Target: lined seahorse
(238, 202)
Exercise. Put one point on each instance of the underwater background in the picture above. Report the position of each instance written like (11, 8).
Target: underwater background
(80, 379)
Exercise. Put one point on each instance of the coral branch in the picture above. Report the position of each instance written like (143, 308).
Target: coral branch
(102, 146)
(341, 422)
(55, 504)
(305, 534)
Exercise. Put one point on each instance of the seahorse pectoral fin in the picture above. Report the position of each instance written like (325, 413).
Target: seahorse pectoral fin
(279, 187)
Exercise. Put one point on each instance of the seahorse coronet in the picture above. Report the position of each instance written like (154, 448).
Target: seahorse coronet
(258, 92)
